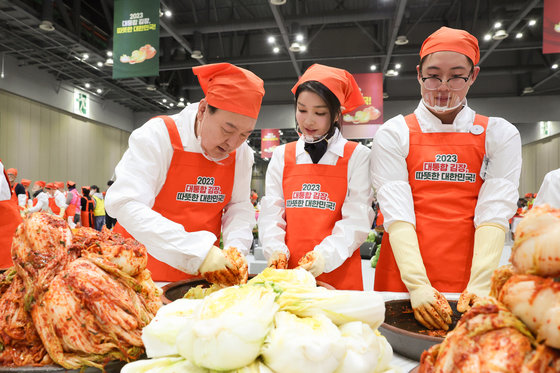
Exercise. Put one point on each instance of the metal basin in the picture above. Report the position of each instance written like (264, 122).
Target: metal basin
(406, 335)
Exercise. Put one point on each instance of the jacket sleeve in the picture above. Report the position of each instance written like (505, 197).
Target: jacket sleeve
(238, 220)
(549, 193)
(140, 176)
(357, 214)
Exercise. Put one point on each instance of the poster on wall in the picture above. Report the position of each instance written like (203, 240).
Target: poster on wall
(270, 139)
(371, 86)
(551, 26)
(136, 38)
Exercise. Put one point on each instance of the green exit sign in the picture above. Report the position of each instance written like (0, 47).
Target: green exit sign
(81, 103)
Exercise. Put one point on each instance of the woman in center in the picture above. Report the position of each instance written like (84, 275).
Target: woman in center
(316, 210)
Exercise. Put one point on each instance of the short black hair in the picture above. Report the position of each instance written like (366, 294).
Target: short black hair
(212, 109)
(94, 187)
(110, 182)
(333, 104)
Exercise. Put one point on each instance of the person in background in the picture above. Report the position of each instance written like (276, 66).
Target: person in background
(86, 204)
(316, 210)
(57, 202)
(186, 178)
(549, 193)
(40, 198)
(98, 208)
(25, 200)
(254, 197)
(9, 219)
(19, 194)
(446, 180)
(530, 198)
(109, 220)
(73, 199)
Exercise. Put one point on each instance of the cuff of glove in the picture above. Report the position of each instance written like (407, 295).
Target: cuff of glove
(214, 261)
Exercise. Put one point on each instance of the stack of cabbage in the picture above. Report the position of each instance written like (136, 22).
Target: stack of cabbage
(280, 321)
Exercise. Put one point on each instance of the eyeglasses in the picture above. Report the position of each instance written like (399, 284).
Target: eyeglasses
(456, 83)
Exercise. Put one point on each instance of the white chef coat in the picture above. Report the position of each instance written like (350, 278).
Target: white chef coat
(357, 213)
(497, 198)
(140, 176)
(5, 191)
(42, 203)
(60, 199)
(549, 193)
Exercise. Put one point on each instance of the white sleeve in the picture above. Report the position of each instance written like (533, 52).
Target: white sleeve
(238, 220)
(389, 173)
(497, 198)
(549, 193)
(272, 217)
(5, 192)
(357, 214)
(42, 203)
(60, 201)
(140, 176)
(22, 198)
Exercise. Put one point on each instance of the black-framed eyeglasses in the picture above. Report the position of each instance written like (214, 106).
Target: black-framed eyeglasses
(456, 83)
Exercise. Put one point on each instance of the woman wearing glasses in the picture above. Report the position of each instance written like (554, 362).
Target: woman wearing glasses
(446, 180)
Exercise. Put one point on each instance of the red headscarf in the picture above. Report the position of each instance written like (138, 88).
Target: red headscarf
(25, 182)
(49, 186)
(231, 88)
(40, 183)
(340, 82)
(454, 40)
(12, 171)
(70, 183)
(59, 184)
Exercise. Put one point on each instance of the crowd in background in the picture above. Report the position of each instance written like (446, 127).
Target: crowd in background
(80, 208)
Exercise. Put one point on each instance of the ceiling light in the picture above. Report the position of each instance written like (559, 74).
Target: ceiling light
(487, 37)
(180, 104)
(373, 67)
(401, 40)
(385, 95)
(500, 35)
(109, 53)
(87, 85)
(109, 62)
(299, 37)
(85, 56)
(271, 39)
(46, 26)
(181, 99)
(151, 87)
(398, 66)
(391, 72)
(168, 13)
(197, 55)
(554, 66)
(171, 104)
(295, 47)
(527, 90)
(99, 90)
(276, 49)
(164, 100)
(99, 64)
(519, 35)
(277, 2)
(497, 24)
(303, 48)
(532, 22)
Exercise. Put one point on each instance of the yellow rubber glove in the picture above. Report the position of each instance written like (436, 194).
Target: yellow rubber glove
(431, 309)
(313, 262)
(61, 213)
(278, 260)
(224, 267)
(488, 245)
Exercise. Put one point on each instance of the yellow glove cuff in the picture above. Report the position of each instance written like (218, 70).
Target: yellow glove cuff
(406, 250)
(214, 261)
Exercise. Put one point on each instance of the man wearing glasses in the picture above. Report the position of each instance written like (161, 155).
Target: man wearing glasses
(446, 180)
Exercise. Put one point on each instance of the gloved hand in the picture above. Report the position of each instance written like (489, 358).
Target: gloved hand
(488, 244)
(224, 267)
(278, 260)
(314, 262)
(61, 213)
(431, 309)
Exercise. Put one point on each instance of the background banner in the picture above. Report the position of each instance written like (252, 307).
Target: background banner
(371, 86)
(270, 139)
(551, 26)
(136, 38)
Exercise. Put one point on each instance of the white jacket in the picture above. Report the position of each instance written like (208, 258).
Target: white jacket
(140, 176)
(357, 213)
(497, 198)
(549, 193)
(42, 203)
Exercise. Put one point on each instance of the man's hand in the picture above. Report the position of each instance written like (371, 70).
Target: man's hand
(278, 260)
(431, 309)
(224, 267)
(466, 301)
(313, 262)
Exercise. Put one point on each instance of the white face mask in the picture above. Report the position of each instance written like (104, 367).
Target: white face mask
(311, 139)
(199, 141)
(441, 102)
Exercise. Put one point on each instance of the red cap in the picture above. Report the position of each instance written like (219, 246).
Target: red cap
(59, 184)
(25, 182)
(454, 40)
(49, 186)
(40, 183)
(340, 82)
(70, 183)
(12, 171)
(231, 88)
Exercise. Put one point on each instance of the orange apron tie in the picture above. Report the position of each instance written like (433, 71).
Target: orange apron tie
(444, 175)
(313, 195)
(190, 178)
(9, 221)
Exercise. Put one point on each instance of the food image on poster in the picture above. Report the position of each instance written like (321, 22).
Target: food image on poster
(139, 55)
(363, 116)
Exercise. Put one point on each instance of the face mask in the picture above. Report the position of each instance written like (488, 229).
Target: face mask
(441, 102)
(312, 139)
(199, 141)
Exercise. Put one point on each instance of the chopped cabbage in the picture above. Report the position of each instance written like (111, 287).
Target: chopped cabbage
(284, 278)
(162, 365)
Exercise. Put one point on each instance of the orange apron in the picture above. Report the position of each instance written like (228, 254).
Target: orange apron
(194, 195)
(313, 195)
(9, 221)
(74, 206)
(53, 206)
(443, 172)
(86, 217)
